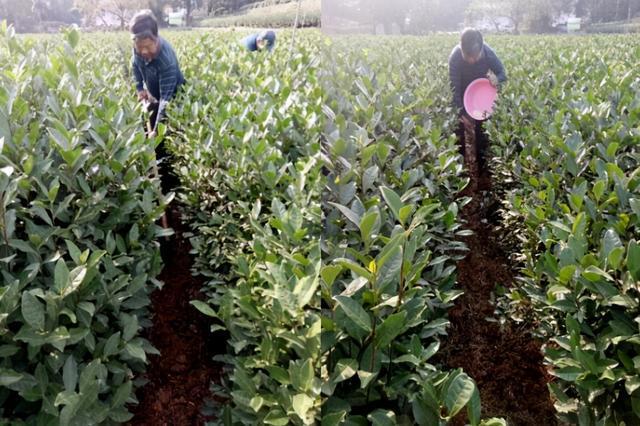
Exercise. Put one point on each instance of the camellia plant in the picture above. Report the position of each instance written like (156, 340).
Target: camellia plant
(78, 250)
(572, 149)
(251, 182)
(390, 245)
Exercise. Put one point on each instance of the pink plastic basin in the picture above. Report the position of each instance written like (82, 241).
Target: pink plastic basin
(479, 98)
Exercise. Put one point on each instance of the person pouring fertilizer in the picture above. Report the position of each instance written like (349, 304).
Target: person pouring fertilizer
(469, 61)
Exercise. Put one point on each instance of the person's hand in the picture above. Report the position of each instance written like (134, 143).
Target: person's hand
(152, 134)
(492, 78)
(143, 95)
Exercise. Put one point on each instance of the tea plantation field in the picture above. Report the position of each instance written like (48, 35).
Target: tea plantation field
(328, 214)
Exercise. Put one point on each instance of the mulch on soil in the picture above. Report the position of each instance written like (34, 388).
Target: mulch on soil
(179, 378)
(506, 363)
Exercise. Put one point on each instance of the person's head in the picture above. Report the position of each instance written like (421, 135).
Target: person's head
(266, 39)
(144, 31)
(471, 44)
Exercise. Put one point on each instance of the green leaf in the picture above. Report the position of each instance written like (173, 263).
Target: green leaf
(74, 252)
(305, 289)
(390, 250)
(279, 374)
(276, 417)
(633, 260)
(566, 273)
(474, 409)
(594, 274)
(131, 326)
(58, 338)
(329, 273)
(111, 346)
(355, 312)
(631, 384)
(367, 225)
(569, 374)
(382, 417)
(302, 403)
(8, 350)
(354, 286)
(615, 257)
(256, 403)
(61, 276)
(333, 419)
(390, 328)
(359, 270)
(135, 351)
(404, 213)
(61, 140)
(393, 201)
(598, 189)
(307, 374)
(9, 377)
(70, 374)
(122, 394)
(66, 398)
(610, 241)
(348, 213)
(344, 370)
(204, 308)
(366, 377)
(32, 311)
(561, 226)
(458, 394)
(76, 277)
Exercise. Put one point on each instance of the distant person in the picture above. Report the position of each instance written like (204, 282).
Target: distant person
(158, 78)
(469, 60)
(260, 41)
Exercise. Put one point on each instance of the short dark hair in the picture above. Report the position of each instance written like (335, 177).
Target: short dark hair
(471, 42)
(144, 25)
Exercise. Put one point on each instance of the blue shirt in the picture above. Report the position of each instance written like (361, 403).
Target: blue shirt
(462, 73)
(161, 76)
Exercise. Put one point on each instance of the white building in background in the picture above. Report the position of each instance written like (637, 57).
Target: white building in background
(569, 22)
(564, 22)
(177, 18)
(574, 24)
(499, 24)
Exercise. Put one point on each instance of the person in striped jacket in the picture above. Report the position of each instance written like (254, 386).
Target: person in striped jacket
(158, 79)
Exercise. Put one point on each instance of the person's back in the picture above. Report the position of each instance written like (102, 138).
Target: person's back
(259, 41)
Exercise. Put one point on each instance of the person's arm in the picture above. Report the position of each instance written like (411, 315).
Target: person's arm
(137, 74)
(168, 76)
(455, 80)
(496, 66)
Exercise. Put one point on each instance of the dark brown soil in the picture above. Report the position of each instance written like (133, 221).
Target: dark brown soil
(505, 362)
(180, 377)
